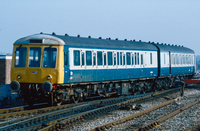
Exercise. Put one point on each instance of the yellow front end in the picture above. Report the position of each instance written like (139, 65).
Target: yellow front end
(37, 63)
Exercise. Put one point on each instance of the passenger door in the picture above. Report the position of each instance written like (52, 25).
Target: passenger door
(66, 65)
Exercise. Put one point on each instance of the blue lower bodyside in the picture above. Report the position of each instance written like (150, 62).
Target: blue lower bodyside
(76, 76)
(182, 70)
(110, 74)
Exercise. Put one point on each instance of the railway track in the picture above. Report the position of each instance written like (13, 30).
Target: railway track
(59, 117)
(151, 117)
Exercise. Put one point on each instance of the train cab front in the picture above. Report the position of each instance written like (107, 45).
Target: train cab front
(36, 70)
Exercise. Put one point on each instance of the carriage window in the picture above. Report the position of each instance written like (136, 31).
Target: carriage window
(34, 57)
(164, 60)
(123, 59)
(94, 58)
(104, 55)
(188, 59)
(172, 60)
(49, 57)
(66, 58)
(151, 58)
(88, 58)
(99, 58)
(185, 59)
(110, 59)
(20, 57)
(117, 58)
(128, 58)
(137, 58)
(192, 59)
(120, 58)
(132, 59)
(76, 58)
(114, 59)
(182, 59)
(83, 58)
(141, 59)
(176, 61)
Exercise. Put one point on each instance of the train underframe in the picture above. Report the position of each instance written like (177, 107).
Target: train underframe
(80, 91)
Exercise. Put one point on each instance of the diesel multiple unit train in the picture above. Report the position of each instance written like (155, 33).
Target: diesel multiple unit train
(55, 68)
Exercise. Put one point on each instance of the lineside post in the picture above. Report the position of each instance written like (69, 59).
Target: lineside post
(182, 87)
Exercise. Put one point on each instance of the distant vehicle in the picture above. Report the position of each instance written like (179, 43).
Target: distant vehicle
(55, 68)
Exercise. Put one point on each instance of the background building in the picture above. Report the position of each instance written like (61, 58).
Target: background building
(5, 67)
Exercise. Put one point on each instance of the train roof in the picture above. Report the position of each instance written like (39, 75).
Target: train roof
(173, 48)
(89, 42)
(85, 42)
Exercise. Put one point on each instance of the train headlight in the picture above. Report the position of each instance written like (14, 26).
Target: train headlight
(47, 87)
(19, 77)
(14, 86)
(49, 77)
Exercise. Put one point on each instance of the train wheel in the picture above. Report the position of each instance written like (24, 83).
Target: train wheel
(76, 97)
(58, 102)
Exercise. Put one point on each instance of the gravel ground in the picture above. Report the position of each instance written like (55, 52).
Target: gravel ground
(186, 120)
(180, 122)
(114, 115)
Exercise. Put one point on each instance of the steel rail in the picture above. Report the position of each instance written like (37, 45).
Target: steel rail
(45, 119)
(67, 121)
(73, 109)
(162, 119)
(131, 117)
(14, 109)
(37, 111)
(19, 112)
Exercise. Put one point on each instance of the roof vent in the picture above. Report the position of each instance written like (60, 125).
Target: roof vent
(89, 36)
(116, 39)
(53, 33)
(78, 35)
(99, 37)
(66, 34)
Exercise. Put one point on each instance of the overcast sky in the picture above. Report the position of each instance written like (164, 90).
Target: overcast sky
(163, 21)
